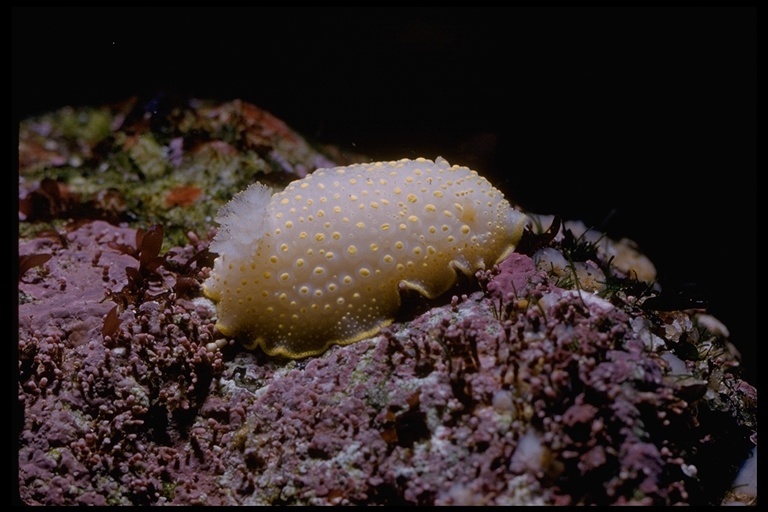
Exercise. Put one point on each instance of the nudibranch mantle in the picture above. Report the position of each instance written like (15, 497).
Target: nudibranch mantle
(323, 262)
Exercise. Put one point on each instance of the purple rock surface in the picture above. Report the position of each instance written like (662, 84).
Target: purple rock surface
(517, 387)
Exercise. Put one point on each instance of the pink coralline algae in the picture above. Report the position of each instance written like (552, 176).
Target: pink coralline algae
(520, 387)
(93, 403)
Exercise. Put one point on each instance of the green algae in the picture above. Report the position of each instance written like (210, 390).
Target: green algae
(134, 167)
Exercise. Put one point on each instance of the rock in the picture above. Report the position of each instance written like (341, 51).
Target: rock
(522, 387)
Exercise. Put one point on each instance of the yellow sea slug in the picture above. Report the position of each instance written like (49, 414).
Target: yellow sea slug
(324, 261)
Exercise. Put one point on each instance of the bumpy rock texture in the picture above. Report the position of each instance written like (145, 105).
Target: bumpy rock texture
(562, 376)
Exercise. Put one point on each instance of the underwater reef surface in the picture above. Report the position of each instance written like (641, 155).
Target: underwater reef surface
(564, 375)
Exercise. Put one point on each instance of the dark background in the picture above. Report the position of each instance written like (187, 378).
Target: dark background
(638, 121)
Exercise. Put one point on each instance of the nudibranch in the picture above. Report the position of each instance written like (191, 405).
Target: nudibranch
(324, 261)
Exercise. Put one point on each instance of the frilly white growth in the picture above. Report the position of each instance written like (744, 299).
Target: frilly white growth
(241, 221)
